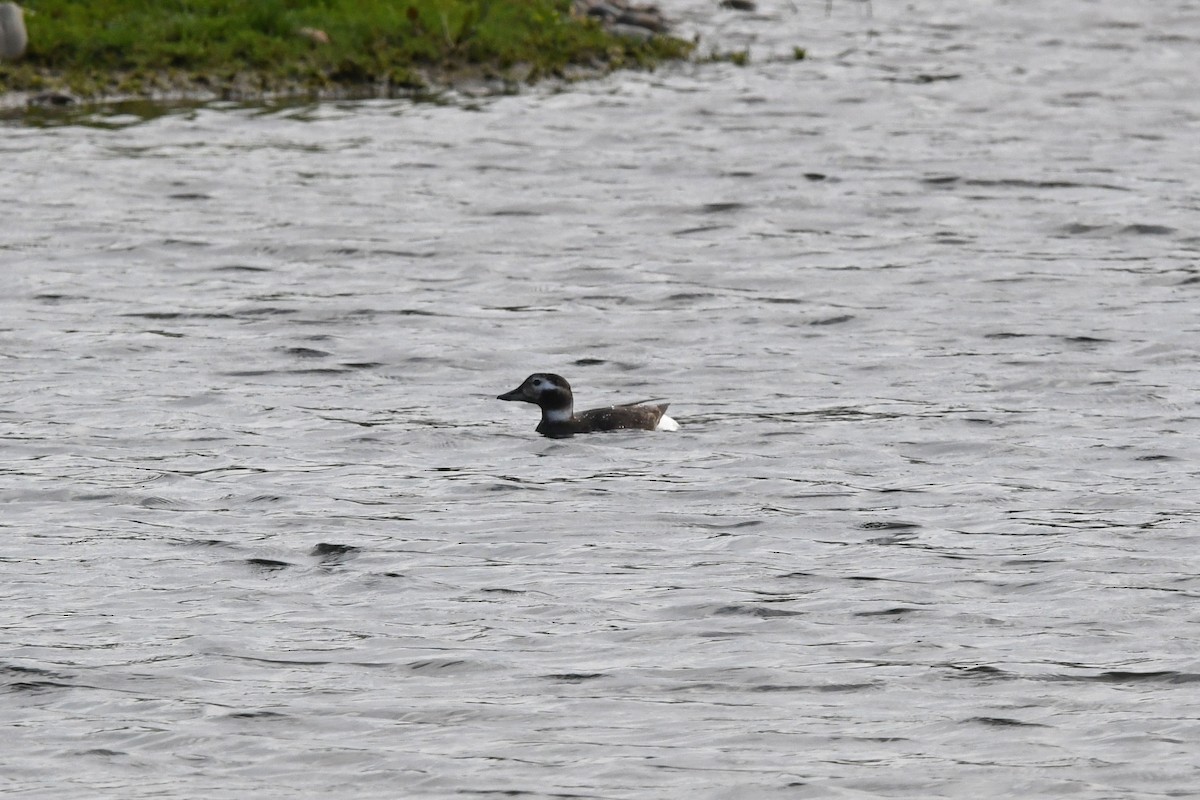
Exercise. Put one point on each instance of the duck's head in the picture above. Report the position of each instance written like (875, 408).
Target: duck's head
(549, 391)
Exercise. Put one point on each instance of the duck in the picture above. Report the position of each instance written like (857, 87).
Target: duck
(552, 394)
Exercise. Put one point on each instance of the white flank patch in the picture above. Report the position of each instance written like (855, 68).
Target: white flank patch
(667, 424)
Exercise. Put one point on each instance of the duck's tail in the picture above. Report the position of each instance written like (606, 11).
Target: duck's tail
(665, 423)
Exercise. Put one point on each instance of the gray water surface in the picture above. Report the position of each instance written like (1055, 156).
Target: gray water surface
(924, 304)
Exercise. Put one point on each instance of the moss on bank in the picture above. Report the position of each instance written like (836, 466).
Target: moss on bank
(238, 48)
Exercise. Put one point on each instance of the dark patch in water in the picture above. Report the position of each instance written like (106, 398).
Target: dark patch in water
(1021, 183)
(888, 612)
(17, 669)
(1148, 230)
(304, 352)
(718, 208)
(1080, 229)
(330, 553)
(574, 677)
(699, 229)
(267, 311)
(689, 296)
(257, 715)
(57, 298)
(716, 526)
(926, 77)
(169, 315)
(1004, 722)
(268, 564)
(37, 686)
(437, 663)
(978, 671)
(158, 502)
(888, 526)
(753, 611)
(801, 687)
(527, 309)
(838, 320)
(1168, 676)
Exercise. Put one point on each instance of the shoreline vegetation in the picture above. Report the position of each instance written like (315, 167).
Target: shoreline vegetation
(236, 50)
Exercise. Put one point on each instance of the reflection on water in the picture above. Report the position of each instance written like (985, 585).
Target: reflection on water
(921, 303)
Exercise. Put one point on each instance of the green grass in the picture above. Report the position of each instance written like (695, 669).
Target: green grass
(106, 46)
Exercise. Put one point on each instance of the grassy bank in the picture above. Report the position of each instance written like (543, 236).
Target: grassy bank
(240, 47)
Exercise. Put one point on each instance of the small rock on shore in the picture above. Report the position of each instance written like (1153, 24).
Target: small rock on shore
(622, 17)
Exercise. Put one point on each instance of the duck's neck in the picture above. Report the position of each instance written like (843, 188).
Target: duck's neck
(557, 414)
(557, 406)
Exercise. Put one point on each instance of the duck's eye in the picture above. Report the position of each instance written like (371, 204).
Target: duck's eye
(537, 383)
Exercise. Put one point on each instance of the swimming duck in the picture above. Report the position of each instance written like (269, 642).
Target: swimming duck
(552, 394)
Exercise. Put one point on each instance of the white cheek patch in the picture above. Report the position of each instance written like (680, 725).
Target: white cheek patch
(667, 424)
(557, 414)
